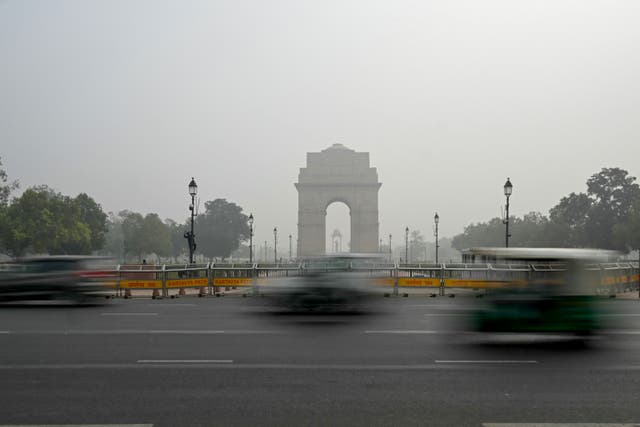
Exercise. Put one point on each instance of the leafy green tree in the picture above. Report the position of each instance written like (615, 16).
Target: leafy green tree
(132, 234)
(532, 230)
(489, 233)
(178, 243)
(627, 233)
(5, 188)
(155, 235)
(91, 214)
(613, 193)
(579, 220)
(221, 228)
(5, 193)
(143, 235)
(569, 219)
(44, 221)
(114, 237)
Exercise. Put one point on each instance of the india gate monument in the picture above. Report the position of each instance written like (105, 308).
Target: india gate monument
(337, 174)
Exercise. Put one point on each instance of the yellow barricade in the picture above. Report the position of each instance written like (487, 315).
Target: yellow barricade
(141, 284)
(474, 283)
(425, 282)
(232, 281)
(188, 283)
(383, 281)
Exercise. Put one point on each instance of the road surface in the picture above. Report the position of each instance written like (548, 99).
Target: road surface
(223, 361)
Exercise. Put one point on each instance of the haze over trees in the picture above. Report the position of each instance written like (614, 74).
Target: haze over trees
(607, 216)
(42, 220)
(221, 228)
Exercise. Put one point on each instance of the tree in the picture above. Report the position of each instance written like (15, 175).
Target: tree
(627, 234)
(221, 228)
(92, 215)
(612, 192)
(131, 232)
(44, 221)
(569, 219)
(532, 230)
(133, 235)
(114, 237)
(5, 189)
(155, 236)
(417, 246)
(489, 233)
(176, 235)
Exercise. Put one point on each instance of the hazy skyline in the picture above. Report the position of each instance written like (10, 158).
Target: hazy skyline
(126, 101)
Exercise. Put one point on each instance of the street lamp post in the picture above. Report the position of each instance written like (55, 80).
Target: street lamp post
(390, 252)
(189, 235)
(275, 245)
(436, 220)
(508, 189)
(290, 247)
(406, 245)
(251, 239)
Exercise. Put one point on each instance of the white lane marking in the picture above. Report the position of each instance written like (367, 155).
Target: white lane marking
(487, 361)
(128, 314)
(622, 333)
(290, 366)
(76, 425)
(143, 332)
(169, 305)
(4, 332)
(445, 314)
(185, 361)
(282, 366)
(419, 305)
(236, 332)
(402, 331)
(560, 425)
(622, 315)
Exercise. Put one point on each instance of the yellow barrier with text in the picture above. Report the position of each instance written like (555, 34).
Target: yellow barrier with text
(140, 284)
(188, 283)
(423, 282)
(232, 281)
(475, 283)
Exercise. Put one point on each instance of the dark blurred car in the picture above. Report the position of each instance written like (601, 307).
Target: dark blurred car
(328, 284)
(67, 279)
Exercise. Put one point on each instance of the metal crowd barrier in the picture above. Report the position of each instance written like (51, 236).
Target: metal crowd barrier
(441, 278)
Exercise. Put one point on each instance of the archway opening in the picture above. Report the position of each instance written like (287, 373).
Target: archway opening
(338, 228)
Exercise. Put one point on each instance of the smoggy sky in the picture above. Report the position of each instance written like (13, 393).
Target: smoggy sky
(127, 100)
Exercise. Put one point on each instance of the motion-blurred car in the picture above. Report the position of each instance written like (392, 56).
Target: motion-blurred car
(328, 284)
(67, 279)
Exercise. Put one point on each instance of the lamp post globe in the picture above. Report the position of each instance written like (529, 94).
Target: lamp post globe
(508, 188)
(193, 187)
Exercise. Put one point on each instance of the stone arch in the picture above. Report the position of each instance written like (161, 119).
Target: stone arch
(337, 174)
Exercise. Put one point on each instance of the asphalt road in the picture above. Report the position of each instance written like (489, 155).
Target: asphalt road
(223, 361)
